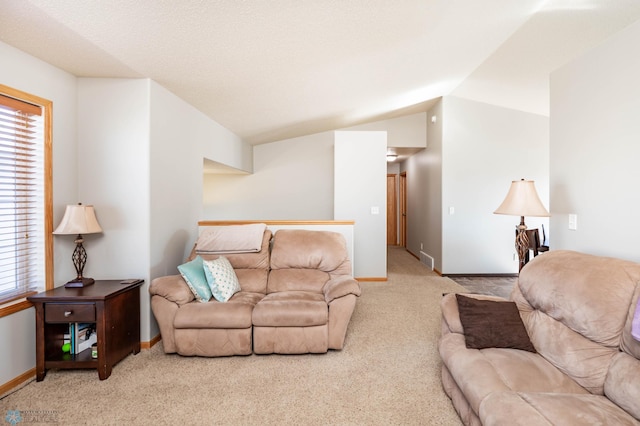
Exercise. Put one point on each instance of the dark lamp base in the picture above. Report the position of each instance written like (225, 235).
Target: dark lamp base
(80, 282)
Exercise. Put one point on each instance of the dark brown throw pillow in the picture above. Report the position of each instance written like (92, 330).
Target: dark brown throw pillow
(492, 324)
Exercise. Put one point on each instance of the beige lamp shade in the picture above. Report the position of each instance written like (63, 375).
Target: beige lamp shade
(522, 200)
(78, 219)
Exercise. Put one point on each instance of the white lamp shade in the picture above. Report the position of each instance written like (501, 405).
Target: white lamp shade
(522, 200)
(78, 219)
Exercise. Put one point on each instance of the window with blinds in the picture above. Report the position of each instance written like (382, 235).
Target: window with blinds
(24, 196)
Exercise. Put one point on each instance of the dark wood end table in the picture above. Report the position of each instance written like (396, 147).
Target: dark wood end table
(113, 307)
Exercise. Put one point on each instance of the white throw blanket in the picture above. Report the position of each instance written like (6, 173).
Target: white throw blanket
(231, 239)
(635, 325)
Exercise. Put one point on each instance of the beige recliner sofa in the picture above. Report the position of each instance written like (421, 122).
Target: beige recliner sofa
(577, 310)
(297, 296)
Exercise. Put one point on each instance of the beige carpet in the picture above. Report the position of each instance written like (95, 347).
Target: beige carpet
(387, 374)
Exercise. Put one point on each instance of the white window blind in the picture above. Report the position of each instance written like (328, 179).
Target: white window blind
(22, 197)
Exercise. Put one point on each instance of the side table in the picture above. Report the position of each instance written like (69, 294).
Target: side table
(113, 307)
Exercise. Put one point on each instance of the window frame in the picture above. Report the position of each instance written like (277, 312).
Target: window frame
(18, 302)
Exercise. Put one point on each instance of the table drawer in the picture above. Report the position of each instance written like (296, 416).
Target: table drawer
(69, 312)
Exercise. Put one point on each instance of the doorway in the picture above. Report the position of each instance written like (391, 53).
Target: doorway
(403, 209)
(392, 210)
(397, 200)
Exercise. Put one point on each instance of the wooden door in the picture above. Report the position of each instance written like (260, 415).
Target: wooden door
(403, 209)
(392, 211)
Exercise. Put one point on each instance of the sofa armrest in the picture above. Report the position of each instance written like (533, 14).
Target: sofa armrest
(340, 286)
(450, 315)
(173, 288)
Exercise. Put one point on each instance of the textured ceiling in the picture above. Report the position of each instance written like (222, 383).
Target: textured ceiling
(271, 70)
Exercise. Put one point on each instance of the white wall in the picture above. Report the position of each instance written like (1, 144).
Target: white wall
(176, 173)
(595, 103)
(293, 179)
(176, 176)
(393, 168)
(293, 170)
(485, 148)
(360, 187)
(424, 193)
(26, 73)
(146, 188)
(474, 152)
(113, 175)
(409, 131)
(175, 182)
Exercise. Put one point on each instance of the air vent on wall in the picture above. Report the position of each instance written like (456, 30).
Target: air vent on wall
(426, 260)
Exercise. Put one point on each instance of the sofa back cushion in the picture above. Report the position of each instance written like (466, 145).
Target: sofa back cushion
(306, 260)
(575, 307)
(251, 269)
(294, 279)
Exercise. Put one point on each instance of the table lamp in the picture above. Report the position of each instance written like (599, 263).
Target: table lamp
(79, 220)
(522, 200)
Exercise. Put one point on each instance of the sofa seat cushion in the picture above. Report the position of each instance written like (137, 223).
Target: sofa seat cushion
(291, 340)
(236, 313)
(534, 409)
(291, 309)
(213, 341)
(480, 372)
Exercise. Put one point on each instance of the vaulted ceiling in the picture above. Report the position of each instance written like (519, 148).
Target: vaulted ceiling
(272, 70)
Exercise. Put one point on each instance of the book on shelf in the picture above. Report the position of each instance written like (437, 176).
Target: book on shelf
(87, 342)
(81, 336)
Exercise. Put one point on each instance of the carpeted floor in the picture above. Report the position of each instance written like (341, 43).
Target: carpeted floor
(387, 374)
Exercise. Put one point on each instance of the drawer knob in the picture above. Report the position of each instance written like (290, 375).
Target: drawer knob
(68, 313)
